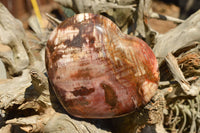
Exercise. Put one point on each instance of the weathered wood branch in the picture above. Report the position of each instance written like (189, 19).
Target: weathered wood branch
(165, 17)
(179, 37)
(48, 116)
(12, 34)
(179, 77)
(123, 13)
(96, 6)
(12, 91)
(60, 122)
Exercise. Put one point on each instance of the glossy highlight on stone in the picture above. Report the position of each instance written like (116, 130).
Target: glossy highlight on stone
(97, 71)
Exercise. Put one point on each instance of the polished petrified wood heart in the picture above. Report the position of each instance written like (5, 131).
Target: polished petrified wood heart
(98, 72)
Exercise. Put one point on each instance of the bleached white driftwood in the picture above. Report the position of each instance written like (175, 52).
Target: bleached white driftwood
(182, 36)
(53, 19)
(6, 129)
(12, 34)
(179, 77)
(122, 12)
(2, 71)
(97, 6)
(179, 37)
(66, 124)
(32, 123)
(12, 91)
(165, 17)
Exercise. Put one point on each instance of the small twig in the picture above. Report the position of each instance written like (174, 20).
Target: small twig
(165, 17)
(53, 19)
(198, 105)
(166, 83)
(184, 122)
(194, 116)
(177, 113)
(174, 125)
(112, 5)
(186, 109)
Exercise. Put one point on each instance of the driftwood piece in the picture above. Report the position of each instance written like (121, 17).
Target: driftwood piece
(179, 37)
(6, 129)
(66, 124)
(11, 129)
(34, 24)
(2, 71)
(121, 12)
(33, 123)
(48, 115)
(165, 17)
(140, 29)
(187, 63)
(41, 86)
(12, 91)
(179, 77)
(5, 50)
(12, 34)
(97, 6)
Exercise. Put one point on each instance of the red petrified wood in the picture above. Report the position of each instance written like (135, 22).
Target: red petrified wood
(98, 72)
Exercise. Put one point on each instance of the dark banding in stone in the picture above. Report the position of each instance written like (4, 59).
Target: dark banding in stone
(84, 74)
(77, 41)
(51, 46)
(84, 63)
(110, 95)
(85, 32)
(76, 102)
(58, 77)
(56, 57)
(82, 91)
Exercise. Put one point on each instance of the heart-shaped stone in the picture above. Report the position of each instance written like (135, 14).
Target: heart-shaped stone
(97, 71)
